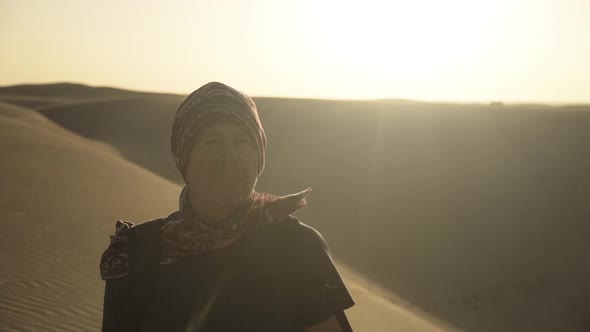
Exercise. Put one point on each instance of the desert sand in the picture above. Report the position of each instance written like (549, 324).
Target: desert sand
(60, 197)
(466, 217)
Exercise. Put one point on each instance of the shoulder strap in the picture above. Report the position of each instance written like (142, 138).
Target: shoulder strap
(144, 249)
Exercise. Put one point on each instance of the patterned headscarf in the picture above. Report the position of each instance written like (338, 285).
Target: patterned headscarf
(182, 233)
(219, 99)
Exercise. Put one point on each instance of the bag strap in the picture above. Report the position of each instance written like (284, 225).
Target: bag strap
(145, 242)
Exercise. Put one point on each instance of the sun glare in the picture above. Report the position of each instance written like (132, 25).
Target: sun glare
(409, 38)
(454, 50)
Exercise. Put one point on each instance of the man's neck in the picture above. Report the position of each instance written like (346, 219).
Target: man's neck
(211, 213)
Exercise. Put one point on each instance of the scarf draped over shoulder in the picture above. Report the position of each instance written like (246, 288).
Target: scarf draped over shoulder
(183, 234)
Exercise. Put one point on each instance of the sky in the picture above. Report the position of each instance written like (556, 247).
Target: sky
(452, 50)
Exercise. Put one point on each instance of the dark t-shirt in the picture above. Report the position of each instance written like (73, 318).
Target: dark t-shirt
(279, 277)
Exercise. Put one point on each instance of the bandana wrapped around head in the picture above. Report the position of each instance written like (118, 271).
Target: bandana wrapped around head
(213, 98)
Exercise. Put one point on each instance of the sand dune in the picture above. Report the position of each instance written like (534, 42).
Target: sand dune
(120, 123)
(60, 197)
(473, 214)
(66, 91)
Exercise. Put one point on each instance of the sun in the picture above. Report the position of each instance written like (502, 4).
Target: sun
(413, 39)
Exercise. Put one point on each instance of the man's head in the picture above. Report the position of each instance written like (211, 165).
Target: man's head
(218, 142)
(213, 98)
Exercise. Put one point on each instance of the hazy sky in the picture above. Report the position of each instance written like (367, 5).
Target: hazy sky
(466, 50)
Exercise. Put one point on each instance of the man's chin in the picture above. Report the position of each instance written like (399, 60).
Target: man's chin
(231, 198)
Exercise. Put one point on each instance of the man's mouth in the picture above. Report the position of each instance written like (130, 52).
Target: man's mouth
(229, 178)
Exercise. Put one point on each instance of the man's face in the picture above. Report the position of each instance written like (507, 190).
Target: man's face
(223, 164)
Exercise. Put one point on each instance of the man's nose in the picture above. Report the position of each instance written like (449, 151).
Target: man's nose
(230, 155)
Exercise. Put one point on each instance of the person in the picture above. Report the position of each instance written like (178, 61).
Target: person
(230, 258)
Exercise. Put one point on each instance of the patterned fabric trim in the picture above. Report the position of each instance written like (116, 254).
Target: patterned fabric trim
(115, 260)
(183, 234)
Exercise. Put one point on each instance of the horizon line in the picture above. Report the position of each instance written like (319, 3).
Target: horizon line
(397, 99)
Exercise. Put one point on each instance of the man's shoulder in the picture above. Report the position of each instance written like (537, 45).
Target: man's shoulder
(304, 235)
(115, 259)
(147, 229)
(150, 229)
